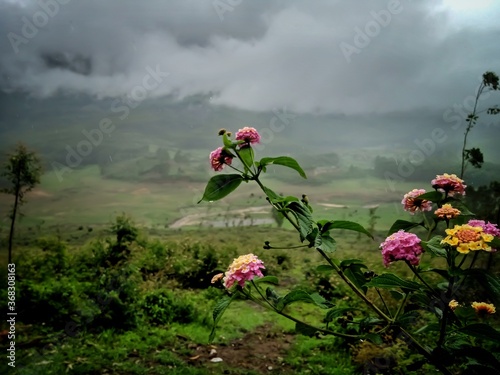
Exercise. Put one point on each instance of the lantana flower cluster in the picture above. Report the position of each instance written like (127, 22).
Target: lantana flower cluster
(244, 268)
(401, 246)
(449, 184)
(223, 156)
(466, 238)
(413, 204)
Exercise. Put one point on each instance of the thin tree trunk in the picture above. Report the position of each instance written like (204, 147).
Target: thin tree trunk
(12, 222)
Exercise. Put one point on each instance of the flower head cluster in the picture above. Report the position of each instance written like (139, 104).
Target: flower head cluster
(401, 246)
(248, 135)
(243, 268)
(466, 238)
(449, 183)
(453, 304)
(482, 308)
(219, 157)
(488, 227)
(412, 203)
(447, 212)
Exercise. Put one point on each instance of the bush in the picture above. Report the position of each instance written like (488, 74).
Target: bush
(162, 307)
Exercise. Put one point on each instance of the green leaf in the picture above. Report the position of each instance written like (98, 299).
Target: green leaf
(348, 262)
(355, 273)
(285, 161)
(482, 331)
(404, 225)
(325, 242)
(266, 279)
(303, 216)
(273, 197)
(327, 225)
(219, 310)
(389, 280)
(305, 329)
(303, 296)
(396, 295)
(272, 295)
(442, 272)
(495, 244)
(434, 247)
(432, 327)
(325, 268)
(433, 196)
(246, 154)
(220, 186)
(336, 312)
(374, 338)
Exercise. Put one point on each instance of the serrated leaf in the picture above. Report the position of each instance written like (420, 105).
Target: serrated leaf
(303, 217)
(389, 280)
(433, 247)
(220, 186)
(343, 224)
(488, 281)
(303, 296)
(266, 279)
(402, 224)
(219, 310)
(285, 161)
(325, 242)
(273, 197)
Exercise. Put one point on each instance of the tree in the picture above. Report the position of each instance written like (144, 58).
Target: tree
(22, 171)
(474, 156)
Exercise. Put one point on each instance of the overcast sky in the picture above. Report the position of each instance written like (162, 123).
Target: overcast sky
(310, 56)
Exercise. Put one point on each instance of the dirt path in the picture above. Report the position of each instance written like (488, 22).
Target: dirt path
(194, 219)
(261, 351)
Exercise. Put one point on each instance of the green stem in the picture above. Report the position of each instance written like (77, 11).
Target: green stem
(412, 268)
(469, 127)
(322, 330)
(401, 306)
(354, 288)
(383, 301)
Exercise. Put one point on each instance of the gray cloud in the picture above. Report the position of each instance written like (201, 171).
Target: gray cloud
(261, 55)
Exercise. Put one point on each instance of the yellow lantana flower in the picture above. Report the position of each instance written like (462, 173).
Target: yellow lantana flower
(466, 238)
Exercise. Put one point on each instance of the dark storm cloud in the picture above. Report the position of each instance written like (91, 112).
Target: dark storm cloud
(322, 56)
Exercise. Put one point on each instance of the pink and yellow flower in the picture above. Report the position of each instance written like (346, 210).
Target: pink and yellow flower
(401, 246)
(243, 268)
(412, 203)
(219, 157)
(447, 212)
(248, 135)
(466, 238)
(449, 183)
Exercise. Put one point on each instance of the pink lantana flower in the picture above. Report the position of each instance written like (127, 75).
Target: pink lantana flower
(412, 204)
(449, 183)
(248, 135)
(401, 246)
(488, 228)
(243, 268)
(218, 158)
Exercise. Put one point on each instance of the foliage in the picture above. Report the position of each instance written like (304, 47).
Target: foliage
(396, 312)
(22, 171)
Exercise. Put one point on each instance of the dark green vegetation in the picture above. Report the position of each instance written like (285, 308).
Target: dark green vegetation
(99, 294)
